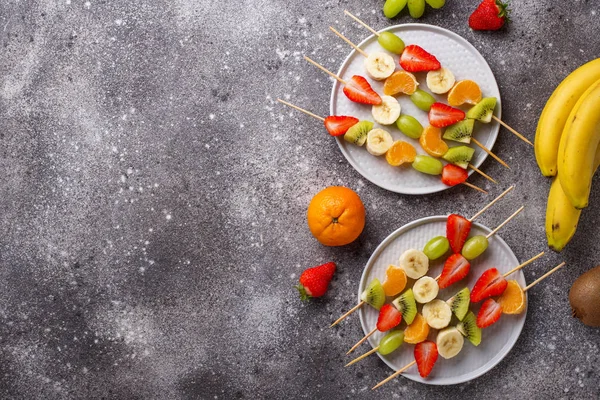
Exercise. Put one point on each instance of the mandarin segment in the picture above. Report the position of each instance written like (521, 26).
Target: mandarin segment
(400, 82)
(465, 91)
(400, 153)
(418, 331)
(395, 280)
(431, 141)
(512, 299)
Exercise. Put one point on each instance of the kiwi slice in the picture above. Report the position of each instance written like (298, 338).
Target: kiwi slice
(459, 155)
(461, 131)
(406, 304)
(483, 110)
(469, 329)
(374, 295)
(459, 303)
(357, 133)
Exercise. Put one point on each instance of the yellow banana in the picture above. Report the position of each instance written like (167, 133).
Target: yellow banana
(578, 145)
(556, 112)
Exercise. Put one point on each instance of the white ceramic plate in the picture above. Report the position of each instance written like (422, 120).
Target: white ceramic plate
(454, 53)
(497, 340)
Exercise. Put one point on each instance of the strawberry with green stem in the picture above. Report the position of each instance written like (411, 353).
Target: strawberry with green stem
(490, 15)
(315, 281)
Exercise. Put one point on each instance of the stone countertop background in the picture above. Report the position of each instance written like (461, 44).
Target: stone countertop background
(153, 201)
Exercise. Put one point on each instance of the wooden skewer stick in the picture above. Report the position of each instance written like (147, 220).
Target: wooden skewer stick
(506, 221)
(547, 274)
(301, 109)
(362, 357)
(518, 267)
(475, 187)
(361, 341)
(504, 124)
(322, 68)
(373, 31)
(486, 176)
(345, 39)
(395, 374)
(491, 203)
(340, 319)
(482, 147)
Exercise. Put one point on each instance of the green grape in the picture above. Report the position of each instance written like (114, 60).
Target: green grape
(436, 247)
(391, 8)
(436, 3)
(422, 99)
(410, 126)
(390, 342)
(474, 247)
(416, 8)
(391, 42)
(427, 165)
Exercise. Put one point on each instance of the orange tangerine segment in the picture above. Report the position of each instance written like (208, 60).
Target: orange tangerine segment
(465, 91)
(431, 141)
(395, 280)
(512, 300)
(417, 331)
(400, 153)
(400, 82)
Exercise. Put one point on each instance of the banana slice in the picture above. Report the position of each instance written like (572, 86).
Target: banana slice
(415, 263)
(449, 342)
(440, 81)
(380, 65)
(425, 289)
(437, 313)
(387, 112)
(379, 141)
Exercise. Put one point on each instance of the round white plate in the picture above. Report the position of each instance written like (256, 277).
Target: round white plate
(497, 340)
(454, 53)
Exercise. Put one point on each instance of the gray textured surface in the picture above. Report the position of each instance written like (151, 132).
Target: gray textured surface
(153, 201)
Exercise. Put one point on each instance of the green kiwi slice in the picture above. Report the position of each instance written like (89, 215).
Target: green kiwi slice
(461, 131)
(459, 155)
(357, 134)
(459, 303)
(407, 305)
(469, 329)
(483, 110)
(374, 295)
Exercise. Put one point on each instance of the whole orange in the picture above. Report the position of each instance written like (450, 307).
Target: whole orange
(336, 216)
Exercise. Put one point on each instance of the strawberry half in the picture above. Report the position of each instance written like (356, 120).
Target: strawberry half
(314, 281)
(457, 231)
(389, 317)
(490, 283)
(442, 115)
(358, 90)
(490, 15)
(455, 269)
(415, 59)
(453, 175)
(489, 313)
(426, 354)
(337, 125)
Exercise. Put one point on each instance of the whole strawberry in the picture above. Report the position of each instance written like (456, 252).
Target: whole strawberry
(489, 16)
(314, 281)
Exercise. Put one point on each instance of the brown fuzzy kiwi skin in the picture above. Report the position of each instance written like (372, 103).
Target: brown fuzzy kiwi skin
(584, 297)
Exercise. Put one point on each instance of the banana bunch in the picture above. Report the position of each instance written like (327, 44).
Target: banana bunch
(567, 148)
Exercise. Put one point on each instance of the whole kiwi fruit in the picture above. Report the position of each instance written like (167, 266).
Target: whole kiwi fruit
(585, 297)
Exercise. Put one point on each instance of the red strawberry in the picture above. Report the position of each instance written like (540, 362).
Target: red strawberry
(457, 231)
(442, 115)
(426, 354)
(389, 317)
(455, 269)
(490, 15)
(415, 59)
(489, 313)
(453, 175)
(358, 90)
(337, 125)
(314, 281)
(490, 283)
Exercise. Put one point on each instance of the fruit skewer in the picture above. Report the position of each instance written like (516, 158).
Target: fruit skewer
(338, 125)
(479, 213)
(407, 366)
(388, 350)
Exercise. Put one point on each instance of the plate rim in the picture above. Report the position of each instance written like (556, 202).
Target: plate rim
(497, 111)
(477, 373)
